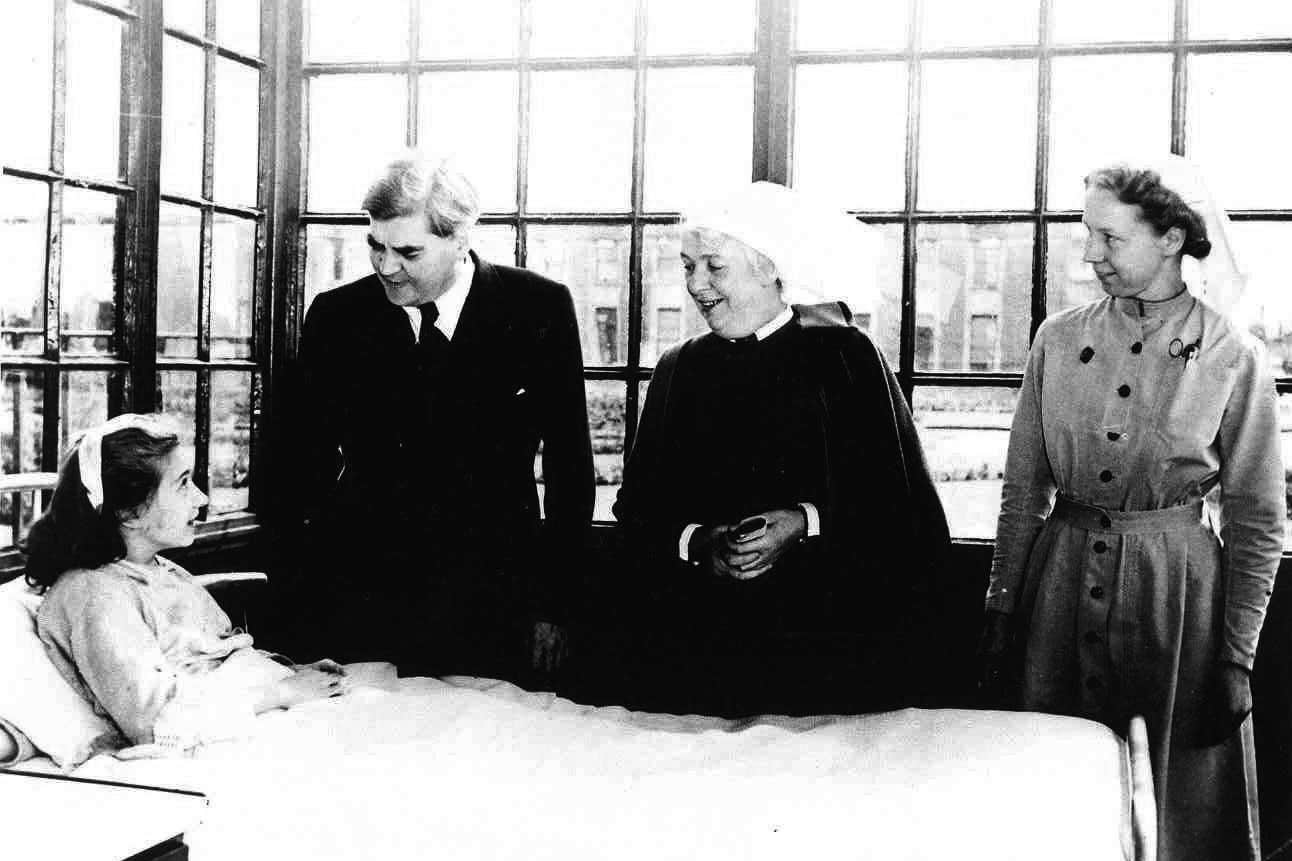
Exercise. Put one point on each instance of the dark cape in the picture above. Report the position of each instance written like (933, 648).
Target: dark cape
(845, 622)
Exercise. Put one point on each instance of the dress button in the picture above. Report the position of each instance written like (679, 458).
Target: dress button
(1123, 390)
(1106, 476)
(1091, 637)
(1097, 592)
(1105, 521)
(1100, 547)
(1086, 355)
(1137, 348)
(1094, 683)
(1113, 436)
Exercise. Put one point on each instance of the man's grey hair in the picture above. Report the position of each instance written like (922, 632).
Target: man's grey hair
(414, 185)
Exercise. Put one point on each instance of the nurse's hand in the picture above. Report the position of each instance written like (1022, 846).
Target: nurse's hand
(996, 685)
(1229, 704)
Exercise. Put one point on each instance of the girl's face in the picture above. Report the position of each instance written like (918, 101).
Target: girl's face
(167, 519)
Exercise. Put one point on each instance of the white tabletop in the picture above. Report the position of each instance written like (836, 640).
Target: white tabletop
(54, 817)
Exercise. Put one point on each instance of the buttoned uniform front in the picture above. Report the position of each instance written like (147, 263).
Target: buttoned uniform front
(416, 469)
(1125, 600)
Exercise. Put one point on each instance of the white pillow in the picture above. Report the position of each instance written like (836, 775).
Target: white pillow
(34, 696)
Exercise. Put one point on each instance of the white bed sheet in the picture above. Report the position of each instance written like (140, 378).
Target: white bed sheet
(468, 768)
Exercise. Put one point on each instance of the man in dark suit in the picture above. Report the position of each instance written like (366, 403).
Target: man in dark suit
(427, 388)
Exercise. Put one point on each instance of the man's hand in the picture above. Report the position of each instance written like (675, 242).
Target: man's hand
(550, 647)
(744, 560)
(1229, 703)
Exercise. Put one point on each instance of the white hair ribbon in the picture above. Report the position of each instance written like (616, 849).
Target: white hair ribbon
(89, 450)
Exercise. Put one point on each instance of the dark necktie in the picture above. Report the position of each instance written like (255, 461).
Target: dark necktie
(428, 334)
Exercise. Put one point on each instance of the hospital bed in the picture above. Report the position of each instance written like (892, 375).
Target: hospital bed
(465, 768)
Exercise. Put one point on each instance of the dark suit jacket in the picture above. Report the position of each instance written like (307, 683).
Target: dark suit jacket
(434, 462)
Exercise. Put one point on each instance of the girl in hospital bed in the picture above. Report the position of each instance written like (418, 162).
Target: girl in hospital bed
(132, 632)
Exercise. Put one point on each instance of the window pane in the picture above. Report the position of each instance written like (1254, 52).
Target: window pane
(828, 25)
(26, 50)
(237, 132)
(590, 171)
(1233, 131)
(991, 169)
(1111, 20)
(699, 133)
(581, 28)
(93, 93)
(89, 227)
(22, 407)
(238, 25)
(356, 127)
(966, 273)
(495, 243)
(452, 30)
(606, 425)
(965, 434)
(232, 276)
(182, 116)
(83, 403)
(230, 440)
(1088, 129)
(850, 133)
(1239, 19)
(1069, 280)
(668, 314)
(592, 260)
(484, 148)
(24, 212)
(178, 248)
(373, 30)
(948, 23)
(712, 27)
(877, 308)
(179, 401)
(334, 254)
(1261, 250)
(188, 15)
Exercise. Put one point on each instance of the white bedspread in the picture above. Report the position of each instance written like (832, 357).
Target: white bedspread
(470, 768)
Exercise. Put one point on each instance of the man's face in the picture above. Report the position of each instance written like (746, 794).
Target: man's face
(732, 296)
(415, 265)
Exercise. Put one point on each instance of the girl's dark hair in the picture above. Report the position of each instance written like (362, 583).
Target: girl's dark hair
(1162, 207)
(71, 534)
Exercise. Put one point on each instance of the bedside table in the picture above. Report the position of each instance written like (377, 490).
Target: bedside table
(56, 817)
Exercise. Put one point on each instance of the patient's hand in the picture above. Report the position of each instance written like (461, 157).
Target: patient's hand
(327, 665)
(302, 686)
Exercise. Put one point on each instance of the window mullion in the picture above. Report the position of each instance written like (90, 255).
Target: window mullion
(1040, 236)
(636, 192)
(1179, 76)
(906, 334)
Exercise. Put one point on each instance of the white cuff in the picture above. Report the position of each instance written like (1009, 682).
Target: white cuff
(684, 543)
(813, 518)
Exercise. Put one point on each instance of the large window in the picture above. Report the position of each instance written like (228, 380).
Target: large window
(969, 134)
(131, 215)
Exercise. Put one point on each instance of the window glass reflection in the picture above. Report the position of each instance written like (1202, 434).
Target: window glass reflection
(178, 251)
(828, 25)
(179, 401)
(1285, 435)
(1239, 19)
(1111, 20)
(606, 426)
(93, 114)
(965, 435)
(581, 28)
(373, 30)
(237, 139)
(592, 170)
(83, 403)
(24, 213)
(484, 149)
(995, 167)
(182, 118)
(592, 260)
(850, 133)
(699, 139)
(954, 23)
(973, 296)
(481, 29)
(1069, 280)
(22, 409)
(712, 27)
(238, 25)
(345, 155)
(89, 271)
(1261, 251)
(26, 54)
(232, 276)
(230, 464)
(668, 314)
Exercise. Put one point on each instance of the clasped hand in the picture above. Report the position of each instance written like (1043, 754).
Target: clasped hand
(746, 559)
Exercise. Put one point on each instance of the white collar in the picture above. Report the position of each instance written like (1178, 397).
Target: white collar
(772, 325)
(450, 302)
